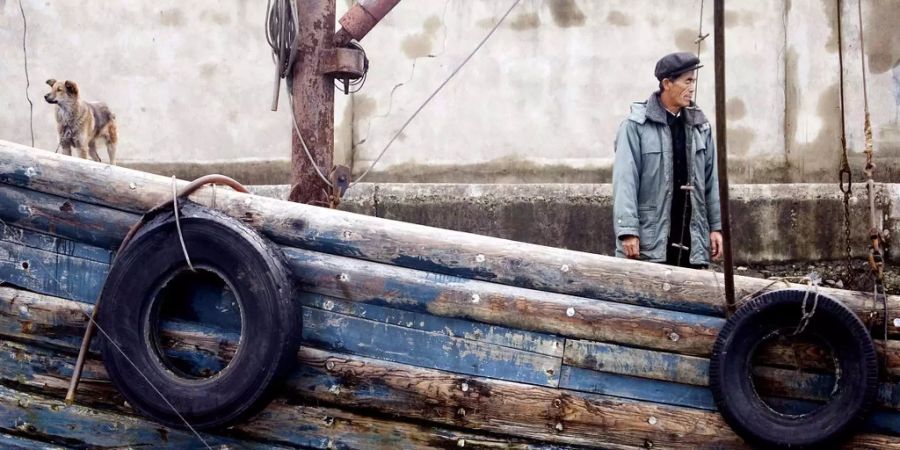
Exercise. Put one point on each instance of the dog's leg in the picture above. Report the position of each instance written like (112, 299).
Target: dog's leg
(83, 151)
(67, 150)
(111, 141)
(92, 148)
(111, 149)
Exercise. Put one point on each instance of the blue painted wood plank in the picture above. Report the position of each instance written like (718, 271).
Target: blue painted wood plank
(51, 273)
(545, 344)
(53, 243)
(78, 426)
(10, 442)
(99, 226)
(508, 306)
(636, 388)
(430, 350)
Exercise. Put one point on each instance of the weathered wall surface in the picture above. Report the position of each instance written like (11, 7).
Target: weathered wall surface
(770, 222)
(188, 82)
(191, 83)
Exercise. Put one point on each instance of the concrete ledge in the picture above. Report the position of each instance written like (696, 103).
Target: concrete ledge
(770, 222)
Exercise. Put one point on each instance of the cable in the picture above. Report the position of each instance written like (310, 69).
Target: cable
(283, 37)
(27, 80)
(452, 74)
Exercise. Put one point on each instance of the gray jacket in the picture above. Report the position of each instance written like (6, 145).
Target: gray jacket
(642, 181)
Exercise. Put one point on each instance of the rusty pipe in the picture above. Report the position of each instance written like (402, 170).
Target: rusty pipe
(361, 18)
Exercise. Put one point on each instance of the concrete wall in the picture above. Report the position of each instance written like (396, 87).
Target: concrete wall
(770, 222)
(539, 103)
(188, 82)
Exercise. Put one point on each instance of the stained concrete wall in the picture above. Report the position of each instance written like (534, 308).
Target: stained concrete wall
(191, 85)
(770, 222)
(189, 82)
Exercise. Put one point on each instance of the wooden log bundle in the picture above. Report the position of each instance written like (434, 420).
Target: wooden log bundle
(493, 343)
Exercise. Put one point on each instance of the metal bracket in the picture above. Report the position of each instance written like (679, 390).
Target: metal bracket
(342, 63)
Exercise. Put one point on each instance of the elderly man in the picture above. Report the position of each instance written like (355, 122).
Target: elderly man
(665, 183)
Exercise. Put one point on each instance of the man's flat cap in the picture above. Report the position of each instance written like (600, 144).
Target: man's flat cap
(674, 64)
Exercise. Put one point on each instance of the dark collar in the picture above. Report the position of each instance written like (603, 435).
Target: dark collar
(657, 112)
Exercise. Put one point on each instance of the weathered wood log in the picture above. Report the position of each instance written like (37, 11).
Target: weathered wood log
(554, 415)
(408, 346)
(16, 442)
(406, 391)
(419, 291)
(81, 222)
(402, 244)
(540, 343)
(45, 371)
(614, 370)
(41, 418)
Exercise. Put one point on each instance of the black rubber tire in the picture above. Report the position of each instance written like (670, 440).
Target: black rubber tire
(749, 416)
(270, 326)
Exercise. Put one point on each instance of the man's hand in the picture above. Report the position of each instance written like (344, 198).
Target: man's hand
(715, 245)
(631, 245)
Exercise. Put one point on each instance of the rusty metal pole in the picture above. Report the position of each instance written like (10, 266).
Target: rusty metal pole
(722, 154)
(313, 103)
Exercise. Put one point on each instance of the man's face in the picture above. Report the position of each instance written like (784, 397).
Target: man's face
(681, 90)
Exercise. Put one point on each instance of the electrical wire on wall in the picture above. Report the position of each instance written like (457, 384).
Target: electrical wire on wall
(27, 80)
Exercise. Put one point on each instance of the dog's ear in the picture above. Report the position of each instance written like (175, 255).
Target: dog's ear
(71, 87)
(51, 82)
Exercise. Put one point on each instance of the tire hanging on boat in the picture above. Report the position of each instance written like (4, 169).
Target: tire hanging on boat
(778, 313)
(255, 274)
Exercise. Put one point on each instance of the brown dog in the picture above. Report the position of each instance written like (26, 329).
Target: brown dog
(80, 124)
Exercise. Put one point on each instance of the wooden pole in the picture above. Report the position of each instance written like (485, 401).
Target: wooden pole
(722, 154)
(312, 105)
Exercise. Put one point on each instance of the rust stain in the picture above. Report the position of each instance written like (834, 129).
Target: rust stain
(171, 17)
(617, 18)
(363, 106)
(566, 13)
(831, 12)
(526, 21)
(740, 140)
(735, 108)
(420, 44)
(882, 41)
(684, 40)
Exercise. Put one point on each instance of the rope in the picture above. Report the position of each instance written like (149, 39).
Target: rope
(309, 156)
(870, 166)
(699, 41)
(93, 323)
(807, 314)
(27, 80)
(178, 224)
(430, 97)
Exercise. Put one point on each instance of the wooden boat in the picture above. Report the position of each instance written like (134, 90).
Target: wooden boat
(412, 337)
